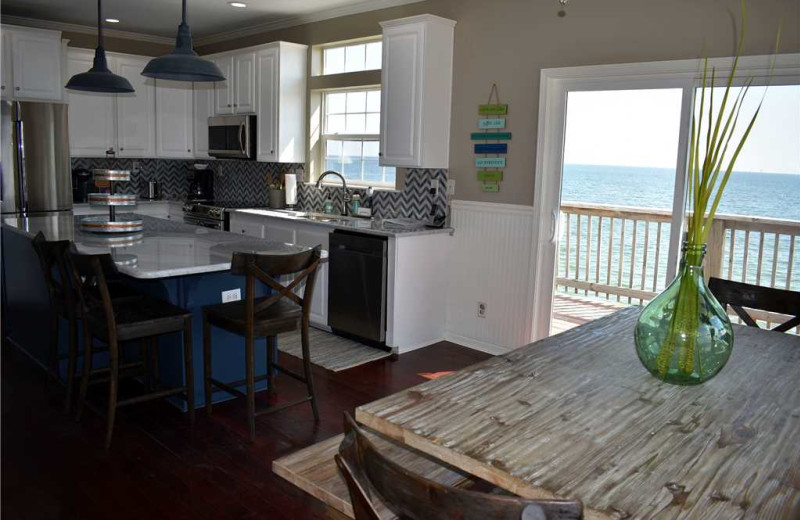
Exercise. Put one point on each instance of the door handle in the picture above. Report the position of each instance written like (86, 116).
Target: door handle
(241, 139)
(554, 225)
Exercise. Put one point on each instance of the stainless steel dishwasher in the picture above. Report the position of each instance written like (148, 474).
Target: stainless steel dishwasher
(357, 287)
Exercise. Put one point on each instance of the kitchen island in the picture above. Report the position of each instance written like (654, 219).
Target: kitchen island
(185, 265)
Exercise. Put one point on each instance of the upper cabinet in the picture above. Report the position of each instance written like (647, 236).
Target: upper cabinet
(223, 90)
(174, 119)
(416, 92)
(281, 101)
(203, 109)
(237, 94)
(92, 115)
(136, 129)
(31, 64)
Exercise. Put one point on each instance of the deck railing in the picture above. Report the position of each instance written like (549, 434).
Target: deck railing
(621, 253)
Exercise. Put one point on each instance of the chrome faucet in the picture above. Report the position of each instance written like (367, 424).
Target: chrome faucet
(345, 196)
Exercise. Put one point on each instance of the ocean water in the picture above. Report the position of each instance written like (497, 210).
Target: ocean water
(748, 193)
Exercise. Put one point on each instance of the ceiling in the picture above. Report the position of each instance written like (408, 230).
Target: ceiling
(206, 18)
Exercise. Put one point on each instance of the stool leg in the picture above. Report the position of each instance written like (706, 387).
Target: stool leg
(307, 369)
(87, 369)
(251, 383)
(207, 365)
(155, 369)
(188, 366)
(270, 364)
(52, 361)
(144, 354)
(112, 389)
(72, 362)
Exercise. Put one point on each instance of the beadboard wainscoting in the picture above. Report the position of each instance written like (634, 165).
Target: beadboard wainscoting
(490, 262)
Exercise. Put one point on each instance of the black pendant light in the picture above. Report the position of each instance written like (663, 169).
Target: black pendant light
(183, 64)
(99, 78)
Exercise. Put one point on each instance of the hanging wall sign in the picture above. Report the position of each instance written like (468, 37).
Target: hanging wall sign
(493, 110)
(491, 136)
(493, 148)
(491, 188)
(490, 175)
(492, 123)
(490, 162)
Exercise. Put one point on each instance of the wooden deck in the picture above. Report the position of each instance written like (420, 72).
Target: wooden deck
(571, 310)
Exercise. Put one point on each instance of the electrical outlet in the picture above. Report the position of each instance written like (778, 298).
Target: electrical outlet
(451, 186)
(481, 309)
(234, 295)
(135, 165)
(434, 187)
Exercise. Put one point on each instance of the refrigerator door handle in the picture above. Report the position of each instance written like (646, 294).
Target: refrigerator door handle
(19, 152)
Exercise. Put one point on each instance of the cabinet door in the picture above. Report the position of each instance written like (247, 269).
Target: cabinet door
(267, 120)
(277, 232)
(174, 119)
(5, 67)
(92, 115)
(247, 225)
(203, 109)
(136, 112)
(36, 65)
(401, 96)
(244, 100)
(223, 90)
(313, 237)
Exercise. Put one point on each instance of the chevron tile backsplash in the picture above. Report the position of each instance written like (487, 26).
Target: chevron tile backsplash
(247, 181)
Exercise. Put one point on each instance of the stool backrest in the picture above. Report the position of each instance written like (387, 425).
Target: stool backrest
(412, 496)
(53, 259)
(268, 268)
(739, 295)
(89, 274)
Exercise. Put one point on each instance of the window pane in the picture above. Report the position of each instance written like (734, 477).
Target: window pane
(352, 160)
(373, 124)
(333, 156)
(356, 102)
(355, 124)
(335, 125)
(374, 101)
(374, 56)
(333, 61)
(390, 176)
(372, 171)
(335, 103)
(354, 58)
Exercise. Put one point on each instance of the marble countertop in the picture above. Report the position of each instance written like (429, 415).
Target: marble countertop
(164, 249)
(361, 225)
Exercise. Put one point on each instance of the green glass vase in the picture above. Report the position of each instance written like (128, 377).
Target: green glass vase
(684, 336)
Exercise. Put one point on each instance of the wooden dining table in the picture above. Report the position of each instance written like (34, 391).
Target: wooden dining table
(577, 416)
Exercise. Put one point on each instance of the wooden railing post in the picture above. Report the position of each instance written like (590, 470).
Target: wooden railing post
(716, 249)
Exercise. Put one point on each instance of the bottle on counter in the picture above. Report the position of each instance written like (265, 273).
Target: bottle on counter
(328, 207)
(356, 204)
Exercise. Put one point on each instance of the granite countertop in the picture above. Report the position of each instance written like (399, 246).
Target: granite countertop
(361, 225)
(164, 249)
(138, 201)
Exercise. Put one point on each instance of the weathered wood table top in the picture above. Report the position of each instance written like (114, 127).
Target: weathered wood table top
(577, 416)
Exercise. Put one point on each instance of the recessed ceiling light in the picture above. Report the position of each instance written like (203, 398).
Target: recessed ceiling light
(112, 20)
(237, 4)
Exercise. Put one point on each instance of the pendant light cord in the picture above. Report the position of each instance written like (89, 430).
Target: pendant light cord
(183, 15)
(99, 23)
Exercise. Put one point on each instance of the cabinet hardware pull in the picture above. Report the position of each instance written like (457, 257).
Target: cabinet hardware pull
(3, 87)
(16, 88)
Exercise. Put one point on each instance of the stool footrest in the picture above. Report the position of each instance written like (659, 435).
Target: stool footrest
(289, 373)
(154, 395)
(278, 408)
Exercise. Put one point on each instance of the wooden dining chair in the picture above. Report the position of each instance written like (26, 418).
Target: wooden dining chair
(265, 317)
(121, 320)
(367, 470)
(739, 295)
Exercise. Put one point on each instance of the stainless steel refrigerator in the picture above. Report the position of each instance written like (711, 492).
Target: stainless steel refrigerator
(36, 172)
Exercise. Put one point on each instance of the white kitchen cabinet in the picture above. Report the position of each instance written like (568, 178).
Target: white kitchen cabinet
(32, 64)
(248, 225)
(281, 88)
(278, 231)
(312, 236)
(174, 119)
(244, 99)
(416, 92)
(92, 115)
(223, 90)
(203, 109)
(136, 112)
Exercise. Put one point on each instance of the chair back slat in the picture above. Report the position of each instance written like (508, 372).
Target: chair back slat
(89, 273)
(412, 496)
(739, 295)
(52, 259)
(267, 268)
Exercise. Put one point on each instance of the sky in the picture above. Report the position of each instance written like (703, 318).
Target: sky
(641, 127)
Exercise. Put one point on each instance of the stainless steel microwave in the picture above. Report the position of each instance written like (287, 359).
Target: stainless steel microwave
(232, 137)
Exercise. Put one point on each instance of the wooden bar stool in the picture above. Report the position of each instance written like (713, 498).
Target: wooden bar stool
(283, 311)
(117, 321)
(64, 304)
(739, 295)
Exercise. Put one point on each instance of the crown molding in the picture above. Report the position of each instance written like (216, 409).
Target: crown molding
(292, 21)
(84, 29)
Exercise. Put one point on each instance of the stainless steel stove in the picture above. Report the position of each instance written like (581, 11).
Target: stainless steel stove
(212, 214)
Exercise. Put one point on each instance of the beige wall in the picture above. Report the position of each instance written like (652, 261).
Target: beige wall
(142, 48)
(510, 41)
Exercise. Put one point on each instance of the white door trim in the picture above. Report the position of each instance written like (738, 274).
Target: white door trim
(554, 86)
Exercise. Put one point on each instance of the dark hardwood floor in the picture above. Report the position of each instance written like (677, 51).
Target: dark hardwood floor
(158, 467)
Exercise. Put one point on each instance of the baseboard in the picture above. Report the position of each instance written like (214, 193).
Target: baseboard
(474, 344)
(417, 346)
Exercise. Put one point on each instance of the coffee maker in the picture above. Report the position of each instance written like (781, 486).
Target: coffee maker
(201, 183)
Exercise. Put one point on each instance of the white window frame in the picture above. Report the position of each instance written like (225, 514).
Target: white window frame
(555, 84)
(324, 137)
(344, 45)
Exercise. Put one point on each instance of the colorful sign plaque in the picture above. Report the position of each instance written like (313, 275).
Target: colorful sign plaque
(491, 148)
(491, 188)
(490, 162)
(491, 136)
(492, 123)
(490, 175)
(493, 110)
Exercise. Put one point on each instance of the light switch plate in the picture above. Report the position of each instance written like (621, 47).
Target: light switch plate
(234, 295)
(435, 187)
(451, 186)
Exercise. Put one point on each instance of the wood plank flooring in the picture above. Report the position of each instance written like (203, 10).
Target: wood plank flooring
(158, 467)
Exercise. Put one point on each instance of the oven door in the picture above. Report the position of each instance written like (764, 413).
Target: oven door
(231, 137)
(204, 222)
